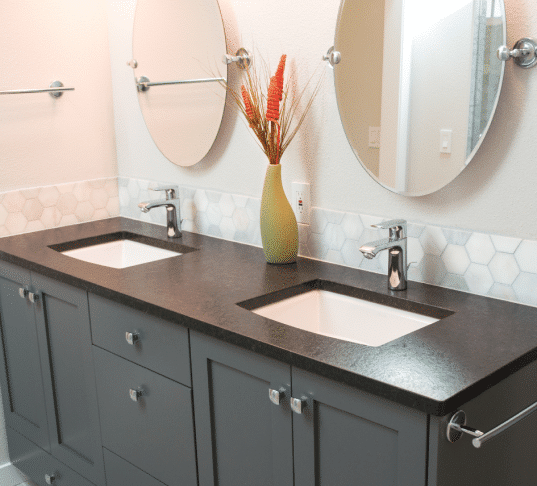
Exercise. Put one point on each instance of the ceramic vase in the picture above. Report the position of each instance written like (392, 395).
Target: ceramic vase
(279, 230)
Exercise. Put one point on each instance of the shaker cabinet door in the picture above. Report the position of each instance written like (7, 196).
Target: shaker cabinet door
(70, 393)
(242, 437)
(20, 369)
(344, 436)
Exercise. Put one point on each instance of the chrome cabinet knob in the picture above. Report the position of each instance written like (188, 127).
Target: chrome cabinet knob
(33, 297)
(50, 478)
(298, 404)
(132, 337)
(23, 292)
(135, 394)
(276, 395)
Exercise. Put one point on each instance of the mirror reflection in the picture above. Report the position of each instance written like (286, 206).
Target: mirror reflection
(418, 85)
(178, 48)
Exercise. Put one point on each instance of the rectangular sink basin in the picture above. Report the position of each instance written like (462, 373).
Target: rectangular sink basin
(120, 254)
(343, 317)
(121, 250)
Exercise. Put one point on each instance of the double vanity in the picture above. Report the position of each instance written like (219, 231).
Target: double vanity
(171, 372)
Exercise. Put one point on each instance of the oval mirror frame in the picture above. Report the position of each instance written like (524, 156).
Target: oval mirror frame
(179, 47)
(424, 146)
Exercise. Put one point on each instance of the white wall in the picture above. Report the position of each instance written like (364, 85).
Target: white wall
(495, 193)
(48, 141)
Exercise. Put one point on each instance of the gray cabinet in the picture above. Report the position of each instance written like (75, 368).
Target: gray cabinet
(342, 436)
(242, 438)
(48, 373)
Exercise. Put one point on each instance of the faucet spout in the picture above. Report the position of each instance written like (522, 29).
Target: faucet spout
(397, 246)
(173, 211)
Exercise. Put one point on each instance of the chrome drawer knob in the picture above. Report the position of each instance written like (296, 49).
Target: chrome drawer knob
(50, 478)
(298, 404)
(132, 337)
(135, 394)
(23, 292)
(33, 296)
(276, 395)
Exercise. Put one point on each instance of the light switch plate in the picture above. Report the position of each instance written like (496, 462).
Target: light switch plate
(445, 141)
(301, 202)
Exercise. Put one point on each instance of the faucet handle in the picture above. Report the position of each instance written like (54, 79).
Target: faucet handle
(397, 227)
(170, 191)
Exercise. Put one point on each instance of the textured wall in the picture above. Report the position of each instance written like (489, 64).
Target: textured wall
(495, 193)
(51, 141)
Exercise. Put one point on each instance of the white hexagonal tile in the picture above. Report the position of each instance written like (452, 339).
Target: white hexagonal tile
(133, 189)
(456, 259)
(433, 240)
(334, 256)
(65, 188)
(227, 205)
(51, 217)
(352, 226)
(240, 219)
(367, 220)
(334, 217)
(32, 209)
(14, 201)
(480, 248)
(213, 196)
(415, 230)
(99, 198)
(525, 286)
(82, 191)
(97, 183)
(456, 282)
(478, 278)
(432, 269)
(504, 268)
(456, 237)
(68, 219)
(84, 211)
(214, 215)
(112, 207)
(240, 201)
(352, 256)
(317, 246)
(333, 236)
(526, 256)
(415, 251)
(188, 210)
(101, 214)
(227, 227)
(67, 204)
(30, 193)
(124, 198)
(501, 291)
(505, 244)
(48, 196)
(371, 265)
(253, 208)
(111, 187)
(200, 200)
(34, 226)
(318, 221)
(15, 223)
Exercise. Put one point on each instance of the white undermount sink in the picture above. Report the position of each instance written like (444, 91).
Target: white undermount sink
(120, 253)
(343, 317)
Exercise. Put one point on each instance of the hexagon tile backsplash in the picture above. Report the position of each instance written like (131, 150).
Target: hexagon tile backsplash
(40, 208)
(493, 265)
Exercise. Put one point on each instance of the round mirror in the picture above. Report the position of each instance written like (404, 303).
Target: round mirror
(178, 49)
(417, 86)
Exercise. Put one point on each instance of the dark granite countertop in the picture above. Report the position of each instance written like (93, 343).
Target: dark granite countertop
(435, 369)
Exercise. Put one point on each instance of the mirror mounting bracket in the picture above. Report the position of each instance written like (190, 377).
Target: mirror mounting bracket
(524, 53)
(242, 58)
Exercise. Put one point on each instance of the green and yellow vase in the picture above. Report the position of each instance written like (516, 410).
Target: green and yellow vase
(279, 231)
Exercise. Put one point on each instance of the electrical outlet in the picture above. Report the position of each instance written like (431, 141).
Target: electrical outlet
(301, 202)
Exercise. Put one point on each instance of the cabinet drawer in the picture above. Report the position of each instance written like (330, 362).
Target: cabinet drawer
(36, 463)
(156, 432)
(122, 473)
(161, 346)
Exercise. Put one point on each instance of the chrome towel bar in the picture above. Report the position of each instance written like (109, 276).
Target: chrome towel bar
(457, 425)
(55, 90)
(143, 82)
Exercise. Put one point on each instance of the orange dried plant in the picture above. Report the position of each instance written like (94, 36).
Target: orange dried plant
(274, 116)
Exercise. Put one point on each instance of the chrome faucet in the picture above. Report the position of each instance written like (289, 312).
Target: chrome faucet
(396, 245)
(173, 210)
